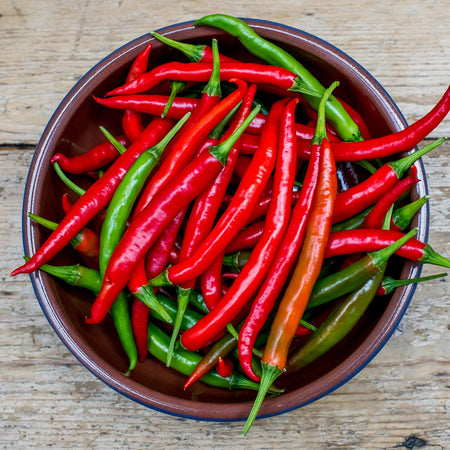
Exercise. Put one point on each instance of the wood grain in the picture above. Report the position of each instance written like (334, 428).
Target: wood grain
(400, 400)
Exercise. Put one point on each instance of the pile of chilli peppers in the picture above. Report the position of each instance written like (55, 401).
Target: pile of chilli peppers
(225, 243)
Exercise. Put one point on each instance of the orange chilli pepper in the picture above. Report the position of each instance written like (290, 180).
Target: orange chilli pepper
(296, 296)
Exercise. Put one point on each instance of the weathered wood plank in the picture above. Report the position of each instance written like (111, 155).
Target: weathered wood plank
(48, 399)
(45, 50)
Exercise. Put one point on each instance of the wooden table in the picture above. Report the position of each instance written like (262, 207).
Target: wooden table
(401, 400)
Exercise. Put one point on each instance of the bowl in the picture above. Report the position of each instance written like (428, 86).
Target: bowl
(74, 127)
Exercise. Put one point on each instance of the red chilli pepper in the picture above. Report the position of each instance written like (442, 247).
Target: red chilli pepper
(198, 72)
(211, 283)
(154, 105)
(188, 143)
(66, 204)
(235, 216)
(247, 238)
(206, 206)
(156, 260)
(132, 120)
(307, 269)
(367, 240)
(225, 367)
(252, 274)
(284, 261)
(151, 104)
(154, 218)
(376, 216)
(361, 196)
(93, 159)
(181, 150)
(95, 198)
(392, 143)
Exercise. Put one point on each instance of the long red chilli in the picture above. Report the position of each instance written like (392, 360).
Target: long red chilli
(206, 206)
(200, 72)
(154, 104)
(380, 147)
(95, 198)
(188, 143)
(180, 151)
(156, 260)
(368, 240)
(94, 159)
(238, 211)
(150, 104)
(359, 197)
(376, 216)
(396, 142)
(148, 225)
(252, 274)
(132, 120)
(204, 212)
(283, 262)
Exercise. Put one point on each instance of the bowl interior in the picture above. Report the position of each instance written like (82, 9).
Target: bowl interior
(74, 128)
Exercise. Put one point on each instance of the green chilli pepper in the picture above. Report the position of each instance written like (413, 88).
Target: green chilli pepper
(185, 362)
(271, 53)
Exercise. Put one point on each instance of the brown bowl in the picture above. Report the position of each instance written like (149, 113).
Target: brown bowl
(74, 128)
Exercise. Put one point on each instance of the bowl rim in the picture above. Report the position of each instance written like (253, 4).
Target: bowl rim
(224, 411)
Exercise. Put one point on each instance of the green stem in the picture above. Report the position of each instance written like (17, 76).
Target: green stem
(389, 284)
(183, 300)
(161, 280)
(175, 88)
(308, 325)
(233, 331)
(321, 131)
(68, 182)
(113, 141)
(274, 55)
(269, 374)
(432, 257)
(366, 165)
(387, 219)
(403, 216)
(381, 256)
(221, 151)
(212, 89)
(193, 52)
(190, 317)
(217, 132)
(146, 295)
(402, 165)
(75, 242)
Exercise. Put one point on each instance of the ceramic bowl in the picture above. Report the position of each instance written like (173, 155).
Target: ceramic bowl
(74, 128)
